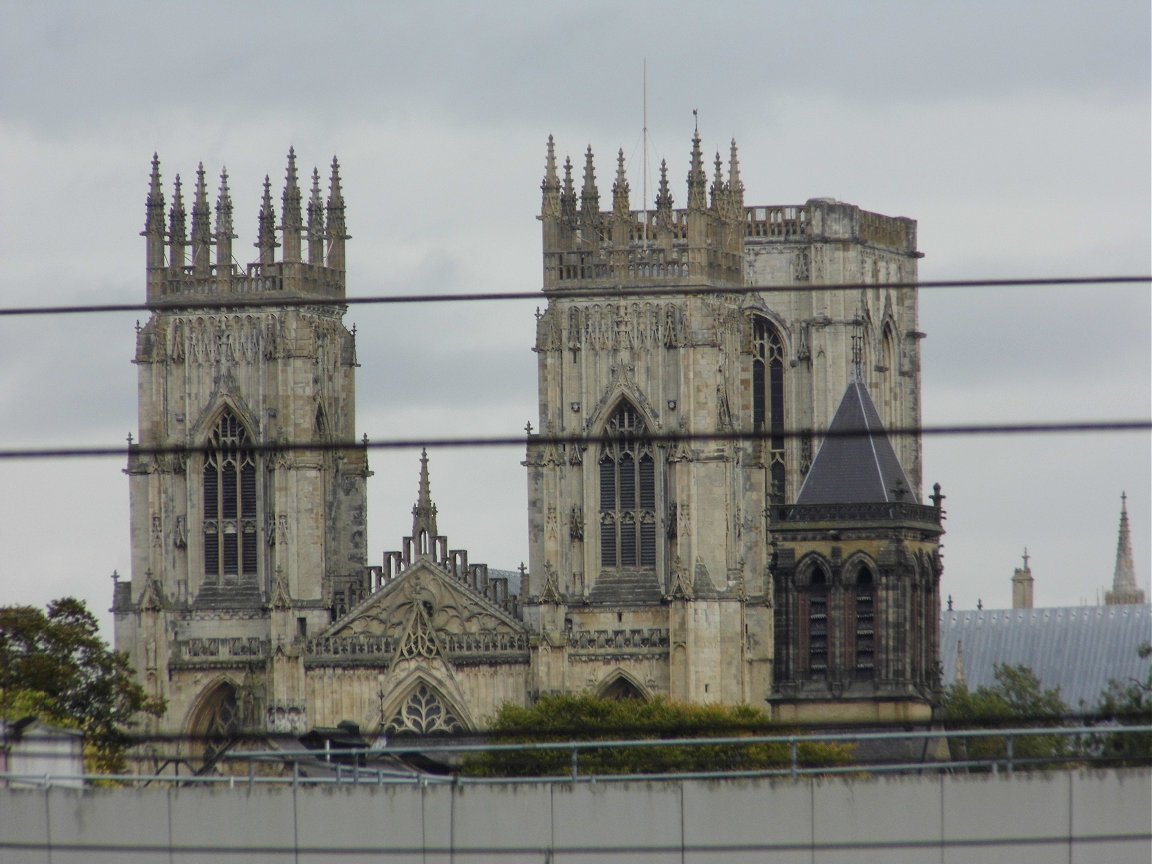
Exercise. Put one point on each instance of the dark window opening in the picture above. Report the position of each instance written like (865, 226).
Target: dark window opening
(768, 399)
(230, 502)
(627, 494)
(865, 625)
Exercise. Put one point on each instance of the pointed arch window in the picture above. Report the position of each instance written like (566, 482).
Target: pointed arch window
(768, 399)
(230, 502)
(865, 623)
(818, 625)
(627, 494)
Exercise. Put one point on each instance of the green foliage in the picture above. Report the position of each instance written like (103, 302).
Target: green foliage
(1017, 700)
(589, 718)
(1128, 703)
(55, 665)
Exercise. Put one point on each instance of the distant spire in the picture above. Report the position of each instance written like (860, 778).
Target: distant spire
(224, 228)
(424, 511)
(589, 194)
(201, 226)
(177, 235)
(154, 217)
(315, 222)
(697, 179)
(266, 228)
(337, 229)
(568, 195)
(550, 187)
(958, 669)
(1124, 587)
(291, 225)
(620, 206)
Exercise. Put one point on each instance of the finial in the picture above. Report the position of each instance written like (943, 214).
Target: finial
(717, 182)
(949, 602)
(177, 236)
(697, 179)
(1124, 586)
(979, 604)
(1025, 556)
(696, 121)
(115, 575)
(568, 194)
(337, 229)
(266, 227)
(620, 204)
(663, 193)
(290, 200)
(589, 194)
(224, 233)
(315, 221)
(735, 185)
(201, 227)
(550, 186)
(154, 203)
(424, 511)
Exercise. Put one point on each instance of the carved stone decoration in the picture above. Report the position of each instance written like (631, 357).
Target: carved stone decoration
(576, 523)
(424, 713)
(180, 533)
(551, 592)
(681, 584)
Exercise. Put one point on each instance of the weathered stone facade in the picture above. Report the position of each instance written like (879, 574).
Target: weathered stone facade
(679, 350)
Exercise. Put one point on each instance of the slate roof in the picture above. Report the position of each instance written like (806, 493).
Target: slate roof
(1076, 648)
(856, 463)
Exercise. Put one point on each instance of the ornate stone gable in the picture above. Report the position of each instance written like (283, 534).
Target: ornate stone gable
(423, 613)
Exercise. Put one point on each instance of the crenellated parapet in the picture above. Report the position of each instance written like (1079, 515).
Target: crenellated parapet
(586, 247)
(310, 241)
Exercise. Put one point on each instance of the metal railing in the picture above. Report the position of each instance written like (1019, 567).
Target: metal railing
(1080, 747)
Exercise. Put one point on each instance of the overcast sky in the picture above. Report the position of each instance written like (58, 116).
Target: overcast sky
(1017, 134)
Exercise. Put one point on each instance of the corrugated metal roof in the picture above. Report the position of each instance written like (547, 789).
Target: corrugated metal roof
(1075, 648)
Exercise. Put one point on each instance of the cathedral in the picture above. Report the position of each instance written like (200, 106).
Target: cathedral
(716, 510)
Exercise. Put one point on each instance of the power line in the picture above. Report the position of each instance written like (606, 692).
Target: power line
(138, 450)
(264, 301)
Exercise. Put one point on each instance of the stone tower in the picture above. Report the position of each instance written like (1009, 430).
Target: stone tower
(1022, 585)
(244, 537)
(649, 334)
(1124, 587)
(857, 582)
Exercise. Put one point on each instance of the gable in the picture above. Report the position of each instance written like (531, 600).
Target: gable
(423, 612)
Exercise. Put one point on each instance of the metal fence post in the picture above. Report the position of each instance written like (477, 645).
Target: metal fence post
(575, 760)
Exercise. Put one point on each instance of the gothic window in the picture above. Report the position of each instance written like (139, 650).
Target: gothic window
(622, 689)
(217, 722)
(424, 713)
(865, 624)
(818, 625)
(627, 493)
(768, 399)
(229, 485)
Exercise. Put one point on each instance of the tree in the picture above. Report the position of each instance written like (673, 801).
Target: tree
(1127, 703)
(55, 665)
(589, 718)
(1016, 700)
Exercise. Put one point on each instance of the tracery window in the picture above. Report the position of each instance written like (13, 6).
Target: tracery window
(865, 624)
(230, 502)
(423, 713)
(768, 399)
(627, 493)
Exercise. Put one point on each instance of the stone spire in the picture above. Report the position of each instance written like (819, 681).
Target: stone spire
(291, 225)
(550, 187)
(266, 229)
(315, 222)
(224, 228)
(620, 206)
(424, 511)
(201, 226)
(589, 194)
(177, 235)
(1124, 587)
(337, 229)
(697, 179)
(154, 218)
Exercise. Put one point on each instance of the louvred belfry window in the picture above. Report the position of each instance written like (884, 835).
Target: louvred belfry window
(230, 535)
(627, 494)
(768, 399)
